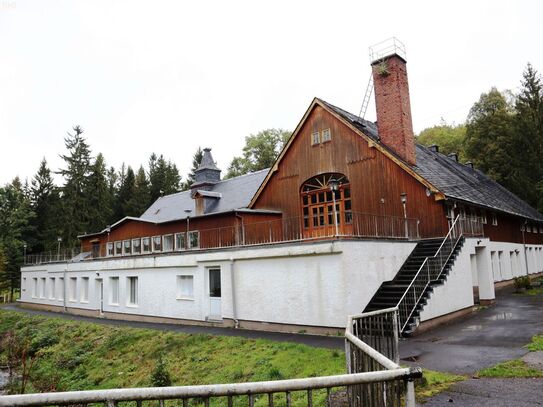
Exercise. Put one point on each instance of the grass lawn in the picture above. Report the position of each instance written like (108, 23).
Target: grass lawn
(516, 367)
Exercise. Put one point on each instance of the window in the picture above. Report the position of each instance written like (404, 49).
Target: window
(43, 288)
(132, 290)
(127, 247)
(494, 219)
(73, 289)
(326, 135)
(118, 248)
(157, 243)
(146, 244)
(185, 287)
(34, 287)
(315, 138)
(52, 289)
(85, 289)
(114, 290)
(61, 288)
(168, 243)
(483, 217)
(110, 249)
(180, 243)
(136, 246)
(194, 240)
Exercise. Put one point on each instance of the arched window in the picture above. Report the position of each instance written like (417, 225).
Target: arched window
(318, 198)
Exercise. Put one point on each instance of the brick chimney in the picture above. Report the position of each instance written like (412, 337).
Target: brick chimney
(392, 99)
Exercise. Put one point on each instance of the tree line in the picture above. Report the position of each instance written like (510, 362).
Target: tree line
(38, 215)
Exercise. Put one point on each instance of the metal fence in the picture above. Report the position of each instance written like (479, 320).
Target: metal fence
(345, 225)
(371, 344)
(373, 379)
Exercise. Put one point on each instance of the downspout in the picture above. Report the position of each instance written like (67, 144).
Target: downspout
(233, 286)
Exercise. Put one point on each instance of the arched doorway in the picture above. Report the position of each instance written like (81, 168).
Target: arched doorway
(317, 199)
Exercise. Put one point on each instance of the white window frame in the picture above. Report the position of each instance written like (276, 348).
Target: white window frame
(133, 246)
(153, 249)
(315, 138)
(72, 288)
(43, 287)
(131, 287)
(494, 219)
(194, 233)
(184, 281)
(127, 247)
(61, 287)
(34, 287)
(84, 292)
(120, 251)
(52, 291)
(164, 249)
(183, 238)
(326, 136)
(150, 244)
(110, 249)
(483, 217)
(114, 290)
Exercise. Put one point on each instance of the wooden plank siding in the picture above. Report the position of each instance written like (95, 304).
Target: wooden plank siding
(376, 181)
(508, 229)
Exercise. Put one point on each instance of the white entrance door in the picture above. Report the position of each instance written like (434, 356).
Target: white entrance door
(100, 295)
(215, 309)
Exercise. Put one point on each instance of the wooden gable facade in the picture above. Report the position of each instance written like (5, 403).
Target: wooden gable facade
(377, 180)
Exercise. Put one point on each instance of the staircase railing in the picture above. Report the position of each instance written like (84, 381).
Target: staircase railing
(429, 271)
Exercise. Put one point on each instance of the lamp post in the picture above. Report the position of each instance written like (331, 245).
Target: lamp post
(24, 253)
(403, 198)
(188, 212)
(334, 186)
(59, 240)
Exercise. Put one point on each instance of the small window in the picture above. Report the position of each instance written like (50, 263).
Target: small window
(315, 138)
(168, 243)
(43, 288)
(146, 244)
(52, 290)
(157, 243)
(127, 247)
(73, 289)
(114, 290)
(136, 246)
(35, 287)
(180, 243)
(194, 240)
(326, 135)
(494, 219)
(85, 289)
(185, 287)
(61, 288)
(483, 217)
(132, 290)
(118, 248)
(110, 249)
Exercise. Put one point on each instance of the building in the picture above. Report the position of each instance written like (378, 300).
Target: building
(348, 218)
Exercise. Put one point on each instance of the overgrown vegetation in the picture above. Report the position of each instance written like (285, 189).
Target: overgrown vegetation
(522, 283)
(434, 382)
(75, 355)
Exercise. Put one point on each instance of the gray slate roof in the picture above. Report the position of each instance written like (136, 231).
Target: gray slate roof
(236, 193)
(455, 180)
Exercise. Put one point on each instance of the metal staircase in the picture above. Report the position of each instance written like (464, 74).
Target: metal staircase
(427, 267)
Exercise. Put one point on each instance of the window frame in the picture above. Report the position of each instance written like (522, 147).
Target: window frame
(153, 249)
(179, 287)
(131, 282)
(133, 241)
(164, 249)
(197, 234)
(110, 249)
(315, 138)
(120, 251)
(149, 250)
(325, 139)
(125, 246)
(183, 239)
(494, 219)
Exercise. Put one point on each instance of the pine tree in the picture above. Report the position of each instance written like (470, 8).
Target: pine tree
(196, 160)
(99, 195)
(140, 199)
(45, 201)
(127, 184)
(164, 177)
(75, 204)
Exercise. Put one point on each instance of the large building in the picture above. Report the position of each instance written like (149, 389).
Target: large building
(349, 218)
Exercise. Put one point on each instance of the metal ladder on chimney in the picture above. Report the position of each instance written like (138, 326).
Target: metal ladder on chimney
(367, 97)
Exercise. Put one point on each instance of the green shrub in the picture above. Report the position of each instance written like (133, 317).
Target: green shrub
(522, 282)
(160, 376)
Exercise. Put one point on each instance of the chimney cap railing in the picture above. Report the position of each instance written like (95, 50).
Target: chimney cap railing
(385, 48)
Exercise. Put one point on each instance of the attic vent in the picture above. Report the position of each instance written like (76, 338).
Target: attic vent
(157, 211)
(453, 156)
(434, 148)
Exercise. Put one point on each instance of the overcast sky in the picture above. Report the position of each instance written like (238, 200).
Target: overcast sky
(167, 77)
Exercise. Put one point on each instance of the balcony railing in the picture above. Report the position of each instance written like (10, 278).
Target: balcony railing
(349, 225)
